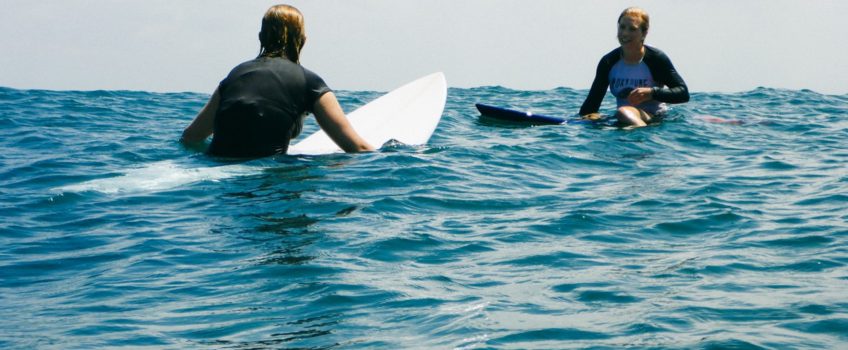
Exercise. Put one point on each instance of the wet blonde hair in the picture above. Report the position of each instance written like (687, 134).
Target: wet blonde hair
(635, 12)
(283, 33)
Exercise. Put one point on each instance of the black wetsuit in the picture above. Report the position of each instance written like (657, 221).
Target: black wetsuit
(670, 89)
(262, 106)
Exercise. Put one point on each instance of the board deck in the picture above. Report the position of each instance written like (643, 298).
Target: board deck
(408, 114)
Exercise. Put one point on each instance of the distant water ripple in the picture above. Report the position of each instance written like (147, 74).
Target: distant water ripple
(722, 227)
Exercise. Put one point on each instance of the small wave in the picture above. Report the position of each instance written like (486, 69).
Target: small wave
(159, 176)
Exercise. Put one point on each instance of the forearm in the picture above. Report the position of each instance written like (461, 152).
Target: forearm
(332, 120)
(593, 101)
(676, 94)
(202, 125)
(598, 90)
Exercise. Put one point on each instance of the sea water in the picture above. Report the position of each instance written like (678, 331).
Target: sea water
(724, 226)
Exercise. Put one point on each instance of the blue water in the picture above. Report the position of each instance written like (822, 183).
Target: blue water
(689, 234)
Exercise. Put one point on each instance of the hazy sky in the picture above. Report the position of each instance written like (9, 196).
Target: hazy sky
(190, 45)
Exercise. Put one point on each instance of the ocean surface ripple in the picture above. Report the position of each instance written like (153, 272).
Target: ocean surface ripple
(723, 227)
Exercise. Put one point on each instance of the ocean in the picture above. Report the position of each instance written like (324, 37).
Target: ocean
(689, 234)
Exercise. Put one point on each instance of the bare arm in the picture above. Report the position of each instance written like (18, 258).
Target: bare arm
(332, 120)
(202, 126)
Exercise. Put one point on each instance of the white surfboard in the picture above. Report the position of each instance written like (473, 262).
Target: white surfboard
(408, 114)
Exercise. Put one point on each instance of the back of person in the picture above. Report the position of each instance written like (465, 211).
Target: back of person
(263, 104)
(260, 106)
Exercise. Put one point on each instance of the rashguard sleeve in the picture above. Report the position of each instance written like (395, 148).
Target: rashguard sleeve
(315, 88)
(599, 88)
(675, 89)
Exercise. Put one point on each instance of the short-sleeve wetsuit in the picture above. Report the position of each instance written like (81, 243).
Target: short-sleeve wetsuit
(654, 71)
(262, 106)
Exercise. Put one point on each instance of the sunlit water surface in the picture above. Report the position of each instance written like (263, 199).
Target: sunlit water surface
(687, 234)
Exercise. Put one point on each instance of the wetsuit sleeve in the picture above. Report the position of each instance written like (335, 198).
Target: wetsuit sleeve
(599, 88)
(315, 88)
(675, 89)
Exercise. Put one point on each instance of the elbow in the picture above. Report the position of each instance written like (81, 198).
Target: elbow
(684, 96)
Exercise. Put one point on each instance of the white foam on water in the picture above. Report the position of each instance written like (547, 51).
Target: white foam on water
(159, 176)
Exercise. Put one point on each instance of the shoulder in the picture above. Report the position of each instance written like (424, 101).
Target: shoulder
(650, 50)
(244, 65)
(285, 70)
(655, 54)
(609, 60)
(312, 78)
(309, 73)
(612, 57)
(238, 71)
(263, 64)
(315, 85)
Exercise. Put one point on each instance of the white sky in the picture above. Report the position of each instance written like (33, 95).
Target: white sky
(190, 45)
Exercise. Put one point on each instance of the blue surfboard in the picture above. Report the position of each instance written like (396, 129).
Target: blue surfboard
(513, 116)
(517, 116)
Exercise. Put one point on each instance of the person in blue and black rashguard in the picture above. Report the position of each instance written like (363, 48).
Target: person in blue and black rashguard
(641, 77)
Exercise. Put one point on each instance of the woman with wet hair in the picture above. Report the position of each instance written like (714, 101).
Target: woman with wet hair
(260, 106)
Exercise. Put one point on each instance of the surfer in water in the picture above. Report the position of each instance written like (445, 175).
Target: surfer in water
(260, 106)
(641, 77)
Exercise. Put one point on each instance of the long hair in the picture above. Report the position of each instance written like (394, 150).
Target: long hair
(283, 33)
